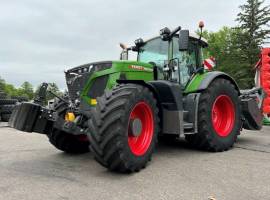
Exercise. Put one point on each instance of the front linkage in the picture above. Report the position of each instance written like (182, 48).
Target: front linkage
(59, 120)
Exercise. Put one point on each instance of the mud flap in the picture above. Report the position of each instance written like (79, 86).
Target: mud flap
(28, 117)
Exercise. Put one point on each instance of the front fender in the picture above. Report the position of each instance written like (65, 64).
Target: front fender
(169, 101)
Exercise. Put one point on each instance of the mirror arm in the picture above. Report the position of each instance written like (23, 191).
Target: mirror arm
(174, 32)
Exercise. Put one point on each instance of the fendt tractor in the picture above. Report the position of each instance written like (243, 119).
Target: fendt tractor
(120, 109)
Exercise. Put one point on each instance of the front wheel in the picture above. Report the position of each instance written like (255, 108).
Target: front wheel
(69, 143)
(219, 117)
(124, 127)
(73, 144)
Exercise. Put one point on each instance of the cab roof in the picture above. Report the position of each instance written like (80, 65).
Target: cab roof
(191, 35)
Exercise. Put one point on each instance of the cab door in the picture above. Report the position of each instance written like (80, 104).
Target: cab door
(188, 61)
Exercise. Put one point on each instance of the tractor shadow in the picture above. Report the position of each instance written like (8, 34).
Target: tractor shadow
(172, 145)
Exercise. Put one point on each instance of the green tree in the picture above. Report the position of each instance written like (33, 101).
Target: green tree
(26, 89)
(10, 90)
(254, 23)
(51, 87)
(237, 49)
(224, 46)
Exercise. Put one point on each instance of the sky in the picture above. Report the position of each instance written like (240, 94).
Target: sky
(41, 39)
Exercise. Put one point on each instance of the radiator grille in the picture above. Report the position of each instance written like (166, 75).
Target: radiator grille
(77, 78)
(98, 87)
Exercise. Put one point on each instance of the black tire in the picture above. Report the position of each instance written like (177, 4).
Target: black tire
(65, 141)
(209, 138)
(68, 143)
(5, 117)
(108, 128)
(6, 109)
(20, 98)
(3, 95)
(8, 101)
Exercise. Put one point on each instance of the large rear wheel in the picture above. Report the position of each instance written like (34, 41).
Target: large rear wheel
(219, 117)
(124, 127)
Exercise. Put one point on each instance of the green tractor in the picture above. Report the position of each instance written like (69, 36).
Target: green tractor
(120, 109)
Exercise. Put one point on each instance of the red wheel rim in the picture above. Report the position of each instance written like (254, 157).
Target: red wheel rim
(223, 115)
(82, 138)
(140, 144)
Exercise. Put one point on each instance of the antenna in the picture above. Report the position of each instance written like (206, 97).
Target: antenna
(201, 26)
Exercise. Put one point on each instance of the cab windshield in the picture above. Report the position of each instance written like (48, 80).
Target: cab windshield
(155, 50)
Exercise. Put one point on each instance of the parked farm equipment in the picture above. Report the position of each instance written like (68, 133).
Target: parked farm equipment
(262, 80)
(6, 106)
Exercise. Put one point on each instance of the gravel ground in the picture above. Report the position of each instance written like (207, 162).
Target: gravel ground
(30, 168)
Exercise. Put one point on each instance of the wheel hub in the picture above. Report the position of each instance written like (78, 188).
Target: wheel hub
(135, 127)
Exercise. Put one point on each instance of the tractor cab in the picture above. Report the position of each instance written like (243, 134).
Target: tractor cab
(174, 56)
(169, 61)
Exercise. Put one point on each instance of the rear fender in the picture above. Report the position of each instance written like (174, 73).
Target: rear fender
(207, 79)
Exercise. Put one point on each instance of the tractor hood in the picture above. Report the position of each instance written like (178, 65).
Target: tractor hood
(77, 77)
(127, 65)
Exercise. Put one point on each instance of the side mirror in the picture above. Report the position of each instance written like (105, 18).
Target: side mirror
(183, 40)
(139, 42)
(124, 53)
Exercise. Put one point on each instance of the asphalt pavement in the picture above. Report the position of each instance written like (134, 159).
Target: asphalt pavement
(31, 168)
